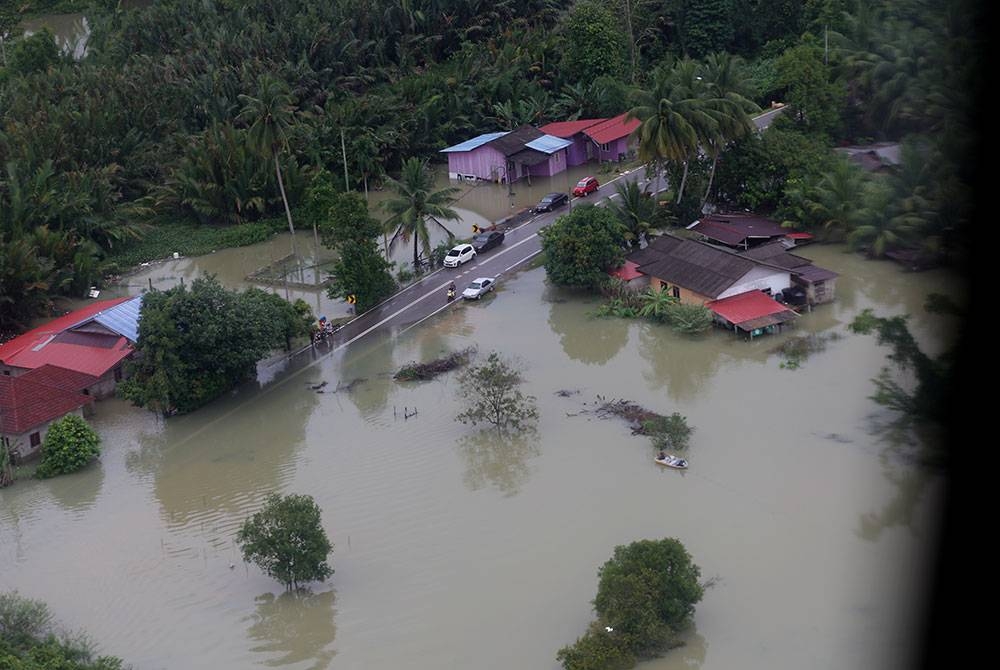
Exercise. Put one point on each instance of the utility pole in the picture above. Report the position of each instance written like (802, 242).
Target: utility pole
(343, 150)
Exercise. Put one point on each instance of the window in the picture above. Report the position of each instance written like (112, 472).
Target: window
(35, 439)
(676, 292)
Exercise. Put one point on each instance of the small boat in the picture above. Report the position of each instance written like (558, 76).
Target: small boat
(672, 462)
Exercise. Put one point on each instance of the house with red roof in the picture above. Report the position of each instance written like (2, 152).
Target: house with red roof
(31, 402)
(753, 312)
(89, 345)
(603, 139)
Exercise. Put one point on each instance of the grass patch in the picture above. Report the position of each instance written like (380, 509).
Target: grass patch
(187, 239)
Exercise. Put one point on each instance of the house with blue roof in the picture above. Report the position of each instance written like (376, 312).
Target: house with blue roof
(504, 157)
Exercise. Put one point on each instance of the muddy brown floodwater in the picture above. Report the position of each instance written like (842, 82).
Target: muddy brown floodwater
(456, 550)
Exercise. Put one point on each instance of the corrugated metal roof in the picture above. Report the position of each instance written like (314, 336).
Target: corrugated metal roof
(569, 128)
(733, 229)
(123, 318)
(814, 273)
(627, 272)
(612, 129)
(693, 265)
(528, 157)
(515, 140)
(474, 143)
(548, 144)
(753, 309)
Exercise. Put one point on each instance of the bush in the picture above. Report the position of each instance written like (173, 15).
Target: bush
(69, 445)
(668, 432)
(598, 649)
(286, 540)
(689, 319)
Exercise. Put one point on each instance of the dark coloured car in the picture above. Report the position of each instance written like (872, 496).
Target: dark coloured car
(485, 241)
(552, 201)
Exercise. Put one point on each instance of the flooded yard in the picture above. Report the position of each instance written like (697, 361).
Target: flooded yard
(456, 549)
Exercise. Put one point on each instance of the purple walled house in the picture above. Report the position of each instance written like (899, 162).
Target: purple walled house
(524, 152)
(611, 137)
(583, 148)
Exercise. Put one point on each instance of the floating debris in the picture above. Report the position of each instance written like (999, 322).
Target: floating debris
(430, 370)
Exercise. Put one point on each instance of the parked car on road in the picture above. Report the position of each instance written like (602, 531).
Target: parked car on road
(459, 255)
(551, 201)
(480, 287)
(485, 241)
(585, 186)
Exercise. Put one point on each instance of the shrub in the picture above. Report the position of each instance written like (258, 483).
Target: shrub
(286, 540)
(69, 445)
(668, 432)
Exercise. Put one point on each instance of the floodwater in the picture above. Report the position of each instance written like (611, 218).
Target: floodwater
(456, 549)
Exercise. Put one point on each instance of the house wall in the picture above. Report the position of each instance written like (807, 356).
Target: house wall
(484, 162)
(20, 443)
(619, 146)
(686, 296)
(554, 165)
(576, 154)
(819, 292)
(11, 371)
(760, 279)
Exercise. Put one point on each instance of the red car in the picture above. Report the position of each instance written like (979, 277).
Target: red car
(585, 186)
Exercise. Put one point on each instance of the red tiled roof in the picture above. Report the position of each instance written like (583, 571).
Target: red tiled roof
(25, 404)
(799, 236)
(67, 380)
(627, 272)
(567, 129)
(738, 309)
(612, 129)
(32, 337)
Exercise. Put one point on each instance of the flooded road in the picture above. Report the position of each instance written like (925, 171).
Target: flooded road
(453, 549)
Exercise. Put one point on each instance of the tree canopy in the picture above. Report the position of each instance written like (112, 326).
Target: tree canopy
(580, 247)
(195, 344)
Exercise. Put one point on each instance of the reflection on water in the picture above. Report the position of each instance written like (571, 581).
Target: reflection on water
(294, 628)
(497, 460)
(791, 499)
(595, 344)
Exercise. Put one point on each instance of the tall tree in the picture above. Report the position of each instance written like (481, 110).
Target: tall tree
(269, 116)
(414, 203)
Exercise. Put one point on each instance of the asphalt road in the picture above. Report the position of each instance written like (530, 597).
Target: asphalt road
(427, 297)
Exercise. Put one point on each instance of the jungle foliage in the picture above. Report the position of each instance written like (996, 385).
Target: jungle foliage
(219, 112)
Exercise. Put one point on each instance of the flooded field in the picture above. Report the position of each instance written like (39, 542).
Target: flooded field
(454, 549)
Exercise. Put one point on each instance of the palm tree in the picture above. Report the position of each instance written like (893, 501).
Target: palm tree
(656, 304)
(414, 204)
(726, 90)
(836, 200)
(879, 230)
(665, 132)
(634, 209)
(269, 116)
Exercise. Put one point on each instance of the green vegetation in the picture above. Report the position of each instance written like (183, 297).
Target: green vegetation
(287, 541)
(580, 247)
(360, 270)
(415, 202)
(646, 595)
(70, 444)
(668, 432)
(412, 372)
(31, 640)
(215, 113)
(493, 396)
(194, 345)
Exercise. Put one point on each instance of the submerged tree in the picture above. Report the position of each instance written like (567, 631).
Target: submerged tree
(287, 541)
(493, 396)
(69, 445)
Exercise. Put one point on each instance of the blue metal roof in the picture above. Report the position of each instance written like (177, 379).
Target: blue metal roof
(548, 144)
(123, 318)
(474, 143)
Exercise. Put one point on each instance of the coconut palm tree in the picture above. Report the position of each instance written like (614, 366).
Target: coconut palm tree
(880, 228)
(835, 202)
(726, 90)
(415, 202)
(269, 117)
(634, 208)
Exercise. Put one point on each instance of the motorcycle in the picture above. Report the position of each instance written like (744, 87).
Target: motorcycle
(451, 293)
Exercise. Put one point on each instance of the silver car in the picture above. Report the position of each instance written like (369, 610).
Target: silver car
(480, 287)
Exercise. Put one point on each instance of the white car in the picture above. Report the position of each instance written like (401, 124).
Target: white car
(480, 287)
(459, 255)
